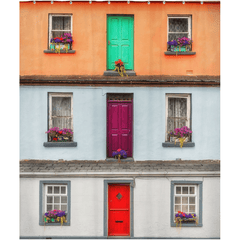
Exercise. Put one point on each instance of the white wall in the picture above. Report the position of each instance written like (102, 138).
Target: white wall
(151, 209)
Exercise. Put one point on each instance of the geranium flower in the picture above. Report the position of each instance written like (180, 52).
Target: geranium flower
(119, 149)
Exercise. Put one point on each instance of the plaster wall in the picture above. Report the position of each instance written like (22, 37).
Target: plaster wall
(90, 43)
(89, 123)
(151, 209)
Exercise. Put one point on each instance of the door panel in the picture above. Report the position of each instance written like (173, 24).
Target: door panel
(119, 127)
(120, 41)
(118, 209)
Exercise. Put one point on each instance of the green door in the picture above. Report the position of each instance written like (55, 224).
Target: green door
(120, 41)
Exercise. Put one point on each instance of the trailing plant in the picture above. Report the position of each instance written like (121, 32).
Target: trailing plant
(181, 134)
(119, 66)
(180, 42)
(55, 216)
(184, 217)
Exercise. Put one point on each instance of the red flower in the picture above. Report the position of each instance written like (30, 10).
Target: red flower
(183, 214)
(179, 211)
(55, 139)
(119, 62)
(60, 132)
(119, 149)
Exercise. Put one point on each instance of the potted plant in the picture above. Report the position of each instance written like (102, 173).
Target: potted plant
(119, 154)
(119, 66)
(61, 43)
(182, 217)
(60, 135)
(57, 216)
(180, 135)
(180, 45)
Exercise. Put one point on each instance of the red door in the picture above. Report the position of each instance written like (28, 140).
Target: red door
(119, 127)
(118, 210)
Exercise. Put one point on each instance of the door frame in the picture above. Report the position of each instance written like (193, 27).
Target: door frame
(107, 94)
(127, 15)
(105, 207)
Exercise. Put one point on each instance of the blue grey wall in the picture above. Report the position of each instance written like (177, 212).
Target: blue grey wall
(89, 110)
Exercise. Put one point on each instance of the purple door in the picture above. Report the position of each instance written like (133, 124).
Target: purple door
(119, 126)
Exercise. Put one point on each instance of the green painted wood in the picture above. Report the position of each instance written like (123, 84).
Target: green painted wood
(120, 41)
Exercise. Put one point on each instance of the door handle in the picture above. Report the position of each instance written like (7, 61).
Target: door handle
(108, 42)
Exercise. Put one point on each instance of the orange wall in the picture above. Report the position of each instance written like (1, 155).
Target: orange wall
(89, 35)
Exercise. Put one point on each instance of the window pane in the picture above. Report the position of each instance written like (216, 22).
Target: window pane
(185, 200)
(61, 23)
(192, 190)
(177, 208)
(175, 36)
(56, 199)
(56, 190)
(63, 190)
(49, 199)
(64, 208)
(192, 200)
(178, 200)
(62, 122)
(57, 207)
(64, 199)
(49, 208)
(61, 106)
(191, 208)
(185, 208)
(178, 190)
(185, 190)
(49, 189)
(178, 24)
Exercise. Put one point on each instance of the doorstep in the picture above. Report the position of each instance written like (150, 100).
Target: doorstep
(114, 73)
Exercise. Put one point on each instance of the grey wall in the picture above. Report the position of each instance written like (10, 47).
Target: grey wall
(89, 110)
(151, 209)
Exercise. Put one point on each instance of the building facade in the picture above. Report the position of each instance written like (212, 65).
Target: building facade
(138, 196)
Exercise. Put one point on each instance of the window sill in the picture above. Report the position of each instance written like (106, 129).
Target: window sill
(129, 159)
(53, 224)
(170, 144)
(114, 73)
(61, 51)
(187, 225)
(179, 53)
(60, 144)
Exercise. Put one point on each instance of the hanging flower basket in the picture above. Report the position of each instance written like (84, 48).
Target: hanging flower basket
(55, 216)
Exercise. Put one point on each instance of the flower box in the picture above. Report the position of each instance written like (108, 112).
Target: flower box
(175, 139)
(60, 135)
(178, 48)
(55, 216)
(61, 46)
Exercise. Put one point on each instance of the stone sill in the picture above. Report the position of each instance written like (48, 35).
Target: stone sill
(60, 144)
(187, 225)
(61, 51)
(122, 159)
(54, 224)
(179, 53)
(114, 73)
(170, 144)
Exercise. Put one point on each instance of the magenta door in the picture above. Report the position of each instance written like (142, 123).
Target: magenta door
(119, 126)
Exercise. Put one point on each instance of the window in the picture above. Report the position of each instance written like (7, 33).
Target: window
(61, 111)
(179, 26)
(59, 24)
(187, 198)
(177, 112)
(54, 195)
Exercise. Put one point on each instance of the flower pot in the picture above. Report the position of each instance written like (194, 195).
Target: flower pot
(179, 48)
(62, 46)
(173, 139)
(52, 47)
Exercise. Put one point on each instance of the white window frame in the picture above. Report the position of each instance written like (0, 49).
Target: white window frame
(186, 195)
(50, 24)
(189, 26)
(55, 194)
(178, 95)
(51, 95)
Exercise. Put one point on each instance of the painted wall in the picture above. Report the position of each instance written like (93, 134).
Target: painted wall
(151, 209)
(89, 123)
(89, 34)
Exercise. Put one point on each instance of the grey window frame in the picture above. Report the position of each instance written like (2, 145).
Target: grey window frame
(42, 185)
(199, 188)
